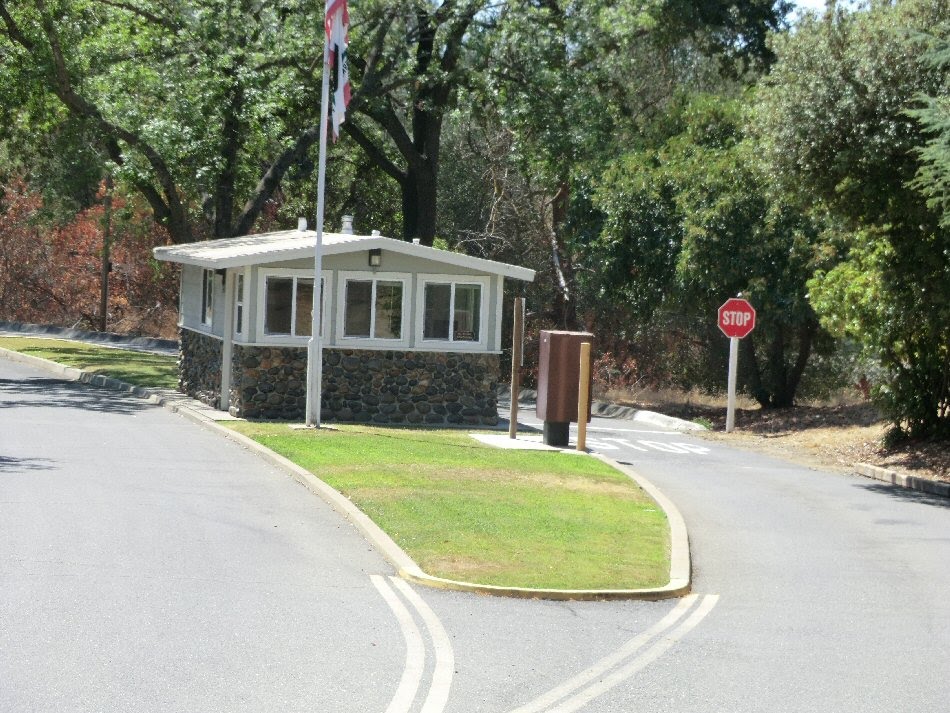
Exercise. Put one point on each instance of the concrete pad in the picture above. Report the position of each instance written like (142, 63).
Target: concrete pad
(521, 443)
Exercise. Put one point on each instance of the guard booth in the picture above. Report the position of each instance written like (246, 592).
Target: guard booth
(558, 382)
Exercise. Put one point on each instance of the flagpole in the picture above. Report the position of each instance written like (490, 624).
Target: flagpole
(315, 345)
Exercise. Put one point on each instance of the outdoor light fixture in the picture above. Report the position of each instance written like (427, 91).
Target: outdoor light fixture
(375, 257)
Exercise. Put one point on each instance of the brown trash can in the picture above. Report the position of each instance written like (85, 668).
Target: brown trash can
(558, 381)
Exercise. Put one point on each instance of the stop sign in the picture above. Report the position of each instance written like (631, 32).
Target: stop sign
(736, 318)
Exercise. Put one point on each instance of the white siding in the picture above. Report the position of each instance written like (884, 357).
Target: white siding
(415, 271)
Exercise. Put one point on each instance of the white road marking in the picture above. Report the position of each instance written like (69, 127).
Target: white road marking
(444, 658)
(665, 447)
(578, 691)
(652, 654)
(591, 674)
(693, 448)
(415, 650)
(601, 445)
(628, 444)
(612, 444)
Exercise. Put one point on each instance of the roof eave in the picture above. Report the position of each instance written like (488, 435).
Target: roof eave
(174, 254)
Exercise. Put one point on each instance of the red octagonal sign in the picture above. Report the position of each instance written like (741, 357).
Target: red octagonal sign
(736, 318)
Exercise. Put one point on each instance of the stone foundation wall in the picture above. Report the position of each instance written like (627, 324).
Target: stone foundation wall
(199, 366)
(269, 382)
(387, 387)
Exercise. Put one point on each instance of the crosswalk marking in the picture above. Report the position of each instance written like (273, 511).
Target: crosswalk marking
(628, 444)
(677, 447)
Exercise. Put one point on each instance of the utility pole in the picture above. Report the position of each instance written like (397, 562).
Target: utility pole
(106, 254)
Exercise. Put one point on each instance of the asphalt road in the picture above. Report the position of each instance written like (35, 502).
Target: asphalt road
(149, 565)
(834, 589)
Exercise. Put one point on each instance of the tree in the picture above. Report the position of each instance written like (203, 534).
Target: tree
(208, 108)
(697, 221)
(578, 83)
(933, 176)
(836, 113)
(50, 269)
(409, 60)
(200, 108)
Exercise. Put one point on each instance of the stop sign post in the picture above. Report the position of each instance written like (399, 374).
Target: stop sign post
(736, 320)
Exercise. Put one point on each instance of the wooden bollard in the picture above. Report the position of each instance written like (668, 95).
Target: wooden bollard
(517, 344)
(583, 396)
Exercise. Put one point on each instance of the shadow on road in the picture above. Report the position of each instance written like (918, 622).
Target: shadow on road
(55, 393)
(907, 494)
(16, 465)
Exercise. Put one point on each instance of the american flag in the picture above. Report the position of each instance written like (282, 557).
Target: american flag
(337, 27)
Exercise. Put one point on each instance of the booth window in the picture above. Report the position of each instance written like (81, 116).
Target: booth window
(239, 304)
(373, 309)
(207, 296)
(288, 306)
(452, 312)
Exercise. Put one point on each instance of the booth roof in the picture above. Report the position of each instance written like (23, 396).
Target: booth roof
(285, 245)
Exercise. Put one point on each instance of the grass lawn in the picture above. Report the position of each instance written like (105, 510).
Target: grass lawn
(139, 368)
(466, 511)
(460, 509)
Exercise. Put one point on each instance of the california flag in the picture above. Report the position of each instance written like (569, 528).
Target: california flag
(337, 25)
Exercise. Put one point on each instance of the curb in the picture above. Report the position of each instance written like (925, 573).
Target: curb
(73, 374)
(680, 565)
(527, 397)
(911, 482)
(163, 346)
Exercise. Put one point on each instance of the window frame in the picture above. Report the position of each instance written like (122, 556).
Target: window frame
(240, 303)
(284, 273)
(374, 277)
(451, 344)
(206, 312)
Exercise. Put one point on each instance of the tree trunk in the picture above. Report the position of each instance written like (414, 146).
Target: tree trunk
(565, 304)
(776, 388)
(752, 373)
(806, 338)
(419, 193)
(232, 139)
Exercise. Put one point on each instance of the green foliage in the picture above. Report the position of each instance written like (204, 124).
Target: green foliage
(840, 117)
(696, 221)
(574, 86)
(933, 176)
(189, 103)
(834, 108)
(642, 235)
